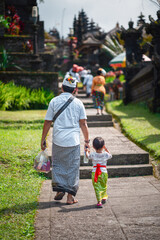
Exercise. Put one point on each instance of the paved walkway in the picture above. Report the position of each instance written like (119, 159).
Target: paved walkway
(132, 212)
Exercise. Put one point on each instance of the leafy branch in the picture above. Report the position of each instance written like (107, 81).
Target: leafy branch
(4, 22)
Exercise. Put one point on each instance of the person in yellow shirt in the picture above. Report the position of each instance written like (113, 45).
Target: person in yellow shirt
(98, 90)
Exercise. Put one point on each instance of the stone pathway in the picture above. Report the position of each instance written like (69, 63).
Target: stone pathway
(132, 212)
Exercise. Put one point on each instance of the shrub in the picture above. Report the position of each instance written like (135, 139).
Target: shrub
(14, 97)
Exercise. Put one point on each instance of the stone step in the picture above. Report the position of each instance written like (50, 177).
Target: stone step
(100, 124)
(81, 91)
(93, 118)
(87, 103)
(123, 159)
(115, 171)
(81, 95)
(89, 106)
(120, 171)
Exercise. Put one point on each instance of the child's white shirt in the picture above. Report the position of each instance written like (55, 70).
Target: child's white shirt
(100, 158)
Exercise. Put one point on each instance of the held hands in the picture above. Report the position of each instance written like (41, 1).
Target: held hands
(87, 150)
(86, 145)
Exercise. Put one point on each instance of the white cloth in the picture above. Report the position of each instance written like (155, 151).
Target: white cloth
(66, 129)
(70, 81)
(73, 74)
(88, 82)
(100, 158)
(83, 73)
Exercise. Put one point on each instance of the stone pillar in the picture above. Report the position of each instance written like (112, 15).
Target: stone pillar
(130, 72)
(156, 89)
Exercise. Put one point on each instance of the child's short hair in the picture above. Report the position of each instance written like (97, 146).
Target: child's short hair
(98, 143)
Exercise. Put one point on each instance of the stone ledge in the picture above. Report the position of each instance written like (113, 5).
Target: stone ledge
(156, 170)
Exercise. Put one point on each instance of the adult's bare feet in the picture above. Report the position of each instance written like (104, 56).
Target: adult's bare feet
(71, 200)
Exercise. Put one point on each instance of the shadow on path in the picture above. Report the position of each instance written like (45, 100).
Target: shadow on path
(69, 208)
(27, 207)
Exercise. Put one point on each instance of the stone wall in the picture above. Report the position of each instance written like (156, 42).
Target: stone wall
(22, 60)
(47, 80)
(141, 88)
(144, 87)
(15, 43)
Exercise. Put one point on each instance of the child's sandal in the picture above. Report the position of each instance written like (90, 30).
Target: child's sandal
(103, 201)
(99, 205)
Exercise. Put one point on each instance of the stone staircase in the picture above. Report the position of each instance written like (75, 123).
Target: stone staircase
(127, 158)
(92, 119)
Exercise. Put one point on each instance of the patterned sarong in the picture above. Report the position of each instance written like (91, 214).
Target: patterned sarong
(65, 168)
(98, 99)
(100, 186)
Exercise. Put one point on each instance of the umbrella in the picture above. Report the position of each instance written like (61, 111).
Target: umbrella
(120, 60)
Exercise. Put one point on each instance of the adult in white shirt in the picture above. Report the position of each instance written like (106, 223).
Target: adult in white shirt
(66, 141)
(88, 83)
(83, 74)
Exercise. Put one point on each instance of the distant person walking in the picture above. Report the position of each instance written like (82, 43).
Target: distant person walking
(99, 172)
(66, 140)
(117, 87)
(98, 90)
(88, 83)
(83, 74)
(73, 72)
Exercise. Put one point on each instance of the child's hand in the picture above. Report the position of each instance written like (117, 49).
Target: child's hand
(87, 151)
(104, 147)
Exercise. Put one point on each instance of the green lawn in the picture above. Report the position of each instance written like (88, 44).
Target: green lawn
(140, 125)
(27, 115)
(19, 182)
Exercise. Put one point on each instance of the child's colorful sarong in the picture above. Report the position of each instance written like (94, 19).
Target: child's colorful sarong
(100, 186)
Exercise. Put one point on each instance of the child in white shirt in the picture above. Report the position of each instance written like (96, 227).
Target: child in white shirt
(99, 172)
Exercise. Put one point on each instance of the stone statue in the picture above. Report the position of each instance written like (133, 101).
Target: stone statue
(153, 28)
(131, 36)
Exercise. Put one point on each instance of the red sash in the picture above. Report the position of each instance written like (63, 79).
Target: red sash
(98, 171)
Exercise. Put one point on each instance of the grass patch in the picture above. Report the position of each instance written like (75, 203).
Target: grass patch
(27, 115)
(20, 183)
(14, 97)
(140, 125)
